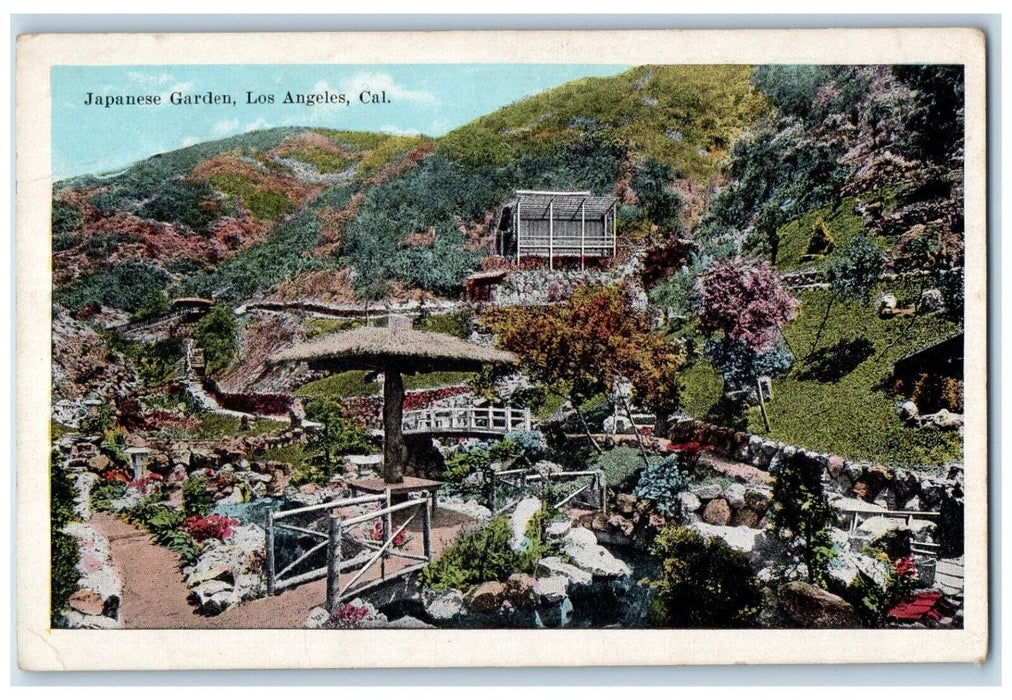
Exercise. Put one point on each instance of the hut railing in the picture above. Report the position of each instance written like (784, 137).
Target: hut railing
(507, 488)
(379, 552)
(464, 420)
(276, 579)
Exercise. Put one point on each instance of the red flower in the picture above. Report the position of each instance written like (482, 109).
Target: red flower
(212, 526)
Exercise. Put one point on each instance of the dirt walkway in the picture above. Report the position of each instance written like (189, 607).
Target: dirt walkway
(155, 596)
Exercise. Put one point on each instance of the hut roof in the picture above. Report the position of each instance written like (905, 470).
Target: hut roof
(533, 204)
(408, 350)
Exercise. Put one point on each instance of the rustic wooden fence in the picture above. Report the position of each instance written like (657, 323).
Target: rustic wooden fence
(509, 487)
(469, 420)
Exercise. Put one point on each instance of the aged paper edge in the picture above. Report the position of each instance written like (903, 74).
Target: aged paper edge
(40, 648)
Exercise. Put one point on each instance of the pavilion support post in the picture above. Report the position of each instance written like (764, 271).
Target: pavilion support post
(333, 563)
(614, 231)
(583, 234)
(395, 452)
(551, 235)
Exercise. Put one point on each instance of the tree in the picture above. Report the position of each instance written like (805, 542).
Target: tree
(801, 516)
(852, 275)
(743, 299)
(215, 333)
(581, 347)
(704, 583)
(739, 365)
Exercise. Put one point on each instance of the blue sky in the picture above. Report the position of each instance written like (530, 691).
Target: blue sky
(426, 98)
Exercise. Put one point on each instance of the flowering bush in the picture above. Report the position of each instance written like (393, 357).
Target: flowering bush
(147, 484)
(116, 475)
(375, 533)
(213, 526)
(348, 616)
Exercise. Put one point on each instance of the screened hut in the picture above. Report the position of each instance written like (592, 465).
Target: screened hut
(556, 225)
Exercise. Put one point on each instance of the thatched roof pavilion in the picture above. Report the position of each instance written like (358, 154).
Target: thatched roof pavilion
(394, 351)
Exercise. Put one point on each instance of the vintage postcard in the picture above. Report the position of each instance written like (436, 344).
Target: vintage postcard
(503, 348)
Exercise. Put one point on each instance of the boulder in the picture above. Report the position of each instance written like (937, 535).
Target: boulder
(88, 602)
(317, 618)
(487, 597)
(943, 420)
(75, 620)
(815, 608)
(446, 605)
(520, 591)
(99, 463)
(717, 512)
(551, 589)
(878, 525)
(580, 536)
(625, 503)
(906, 411)
(404, 623)
(214, 597)
(558, 529)
(596, 560)
(758, 500)
(554, 566)
(522, 515)
(689, 502)
(836, 465)
(744, 517)
(741, 538)
(706, 492)
(734, 494)
(621, 524)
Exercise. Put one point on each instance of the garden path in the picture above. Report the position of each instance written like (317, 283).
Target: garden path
(155, 595)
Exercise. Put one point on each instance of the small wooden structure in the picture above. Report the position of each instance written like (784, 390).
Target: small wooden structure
(554, 225)
(191, 307)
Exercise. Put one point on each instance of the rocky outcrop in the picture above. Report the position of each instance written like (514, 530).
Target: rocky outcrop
(228, 572)
(815, 608)
(95, 605)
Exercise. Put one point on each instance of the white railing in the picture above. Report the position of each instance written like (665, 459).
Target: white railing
(465, 420)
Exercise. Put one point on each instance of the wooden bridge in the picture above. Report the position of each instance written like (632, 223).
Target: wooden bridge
(468, 421)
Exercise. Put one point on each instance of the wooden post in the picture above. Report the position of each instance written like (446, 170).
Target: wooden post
(762, 405)
(614, 230)
(334, 563)
(604, 493)
(427, 528)
(583, 233)
(517, 230)
(387, 529)
(395, 453)
(551, 234)
(491, 489)
(269, 551)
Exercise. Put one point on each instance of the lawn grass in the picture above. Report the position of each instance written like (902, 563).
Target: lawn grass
(843, 224)
(838, 405)
(214, 426)
(352, 383)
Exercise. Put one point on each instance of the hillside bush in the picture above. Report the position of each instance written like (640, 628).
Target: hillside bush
(660, 482)
(65, 218)
(198, 498)
(704, 583)
(120, 286)
(214, 333)
(64, 552)
(182, 202)
(476, 556)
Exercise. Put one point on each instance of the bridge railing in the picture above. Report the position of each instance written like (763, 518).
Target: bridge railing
(856, 516)
(469, 419)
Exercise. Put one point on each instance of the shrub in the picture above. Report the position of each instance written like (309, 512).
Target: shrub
(620, 466)
(64, 550)
(121, 286)
(456, 323)
(104, 492)
(347, 616)
(63, 575)
(65, 218)
(704, 583)
(213, 526)
(197, 497)
(180, 542)
(801, 517)
(215, 334)
(661, 482)
(483, 555)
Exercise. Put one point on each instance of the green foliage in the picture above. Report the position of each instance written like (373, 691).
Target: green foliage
(182, 542)
(180, 201)
(325, 326)
(198, 499)
(620, 466)
(63, 576)
(675, 115)
(337, 436)
(854, 273)
(65, 218)
(740, 366)
(935, 121)
(104, 492)
(64, 552)
(455, 323)
(465, 462)
(352, 383)
(215, 334)
(660, 482)
(155, 303)
(263, 204)
(704, 584)
(483, 555)
(281, 255)
(801, 517)
(854, 416)
(121, 286)
(795, 235)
